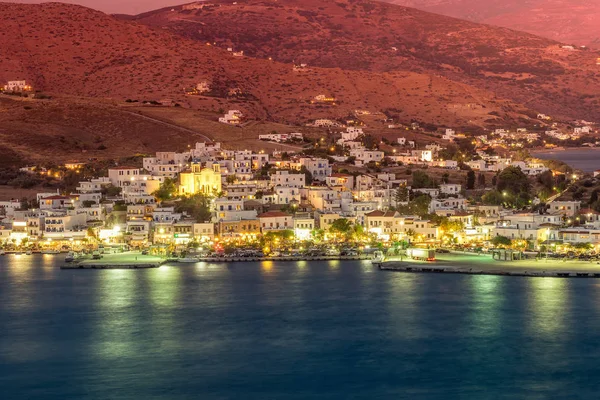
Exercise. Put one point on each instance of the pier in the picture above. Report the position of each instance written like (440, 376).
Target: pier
(485, 265)
(138, 261)
(280, 258)
(117, 261)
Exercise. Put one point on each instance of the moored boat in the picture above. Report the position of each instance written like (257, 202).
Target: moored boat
(188, 260)
(50, 252)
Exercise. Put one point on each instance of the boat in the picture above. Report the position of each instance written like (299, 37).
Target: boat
(188, 260)
(50, 252)
(28, 252)
(70, 257)
(378, 257)
(2, 252)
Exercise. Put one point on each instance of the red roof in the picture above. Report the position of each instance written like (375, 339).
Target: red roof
(588, 211)
(57, 197)
(118, 168)
(338, 175)
(274, 214)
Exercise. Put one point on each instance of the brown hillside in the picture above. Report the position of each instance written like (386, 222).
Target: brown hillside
(67, 49)
(569, 21)
(366, 35)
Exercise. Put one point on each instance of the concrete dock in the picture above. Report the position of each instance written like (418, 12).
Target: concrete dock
(282, 258)
(130, 260)
(485, 265)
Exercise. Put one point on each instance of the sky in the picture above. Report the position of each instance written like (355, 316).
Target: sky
(117, 6)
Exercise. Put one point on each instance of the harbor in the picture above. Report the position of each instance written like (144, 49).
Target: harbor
(136, 260)
(484, 264)
(129, 260)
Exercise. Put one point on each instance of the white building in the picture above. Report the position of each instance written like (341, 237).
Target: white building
(233, 117)
(450, 188)
(17, 86)
(318, 167)
(286, 179)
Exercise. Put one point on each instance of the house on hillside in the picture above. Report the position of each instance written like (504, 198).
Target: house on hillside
(17, 87)
(233, 117)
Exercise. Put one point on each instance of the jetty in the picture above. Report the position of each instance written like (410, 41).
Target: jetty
(128, 260)
(230, 259)
(485, 265)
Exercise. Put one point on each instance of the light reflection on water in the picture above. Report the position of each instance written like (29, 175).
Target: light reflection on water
(487, 297)
(548, 306)
(327, 330)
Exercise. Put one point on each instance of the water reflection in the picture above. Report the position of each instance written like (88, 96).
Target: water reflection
(267, 267)
(487, 297)
(547, 302)
(116, 293)
(403, 305)
(165, 285)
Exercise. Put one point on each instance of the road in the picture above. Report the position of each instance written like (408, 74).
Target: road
(169, 124)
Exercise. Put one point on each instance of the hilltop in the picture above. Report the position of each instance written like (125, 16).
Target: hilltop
(72, 50)
(569, 21)
(362, 35)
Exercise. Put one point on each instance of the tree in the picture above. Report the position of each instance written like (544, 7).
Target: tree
(481, 180)
(167, 190)
(445, 177)
(422, 180)
(341, 227)
(198, 206)
(492, 198)
(88, 203)
(594, 196)
(513, 180)
(307, 174)
(419, 205)
(500, 241)
(401, 195)
(111, 191)
(470, 180)
(546, 179)
(231, 179)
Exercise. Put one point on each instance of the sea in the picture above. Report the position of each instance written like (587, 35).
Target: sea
(292, 330)
(584, 159)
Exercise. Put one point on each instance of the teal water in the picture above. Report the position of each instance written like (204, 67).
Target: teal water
(584, 159)
(318, 330)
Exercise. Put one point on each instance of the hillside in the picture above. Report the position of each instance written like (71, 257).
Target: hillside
(568, 21)
(363, 35)
(67, 49)
(70, 129)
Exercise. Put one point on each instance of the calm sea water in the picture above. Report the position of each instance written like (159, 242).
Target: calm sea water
(318, 330)
(585, 159)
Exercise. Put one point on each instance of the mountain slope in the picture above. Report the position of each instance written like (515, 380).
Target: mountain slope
(67, 49)
(569, 21)
(365, 35)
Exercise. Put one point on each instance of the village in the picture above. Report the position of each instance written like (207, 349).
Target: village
(341, 198)
(344, 193)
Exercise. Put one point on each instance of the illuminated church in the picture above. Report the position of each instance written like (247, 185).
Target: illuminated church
(200, 179)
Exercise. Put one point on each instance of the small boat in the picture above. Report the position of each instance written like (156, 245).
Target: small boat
(70, 257)
(188, 260)
(378, 257)
(28, 252)
(50, 252)
(2, 252)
